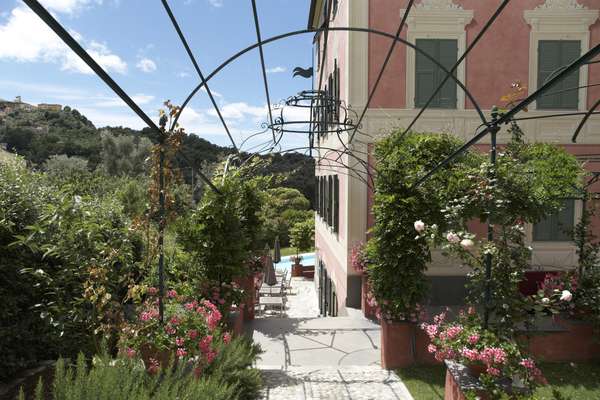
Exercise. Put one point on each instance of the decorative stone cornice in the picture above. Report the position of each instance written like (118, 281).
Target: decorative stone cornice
(561, 5)
(438, 5)
(561, 15)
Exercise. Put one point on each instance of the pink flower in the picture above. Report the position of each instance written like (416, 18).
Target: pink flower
(493, 355)
(419, 226)
(210, 356)
(179, 341)
(174, 320)
(221, 301)
(205, 343)
(454, 331)
(153, 367)
(193, 334)
(431, 348)
(171, 294)
(226, 338)
(493, 371)
(473, 338)
(181, 353)
(528, 363)
(130, 352)
(470, 354)
(452, 237)
(170, 330)
(191, 306)
(152, 291)
(471, 310)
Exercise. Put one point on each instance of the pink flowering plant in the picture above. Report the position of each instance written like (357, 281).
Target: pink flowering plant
(463, 340)
(358, 257)
(191, 331)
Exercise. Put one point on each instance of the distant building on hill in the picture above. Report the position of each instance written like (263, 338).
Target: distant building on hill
(50, 107)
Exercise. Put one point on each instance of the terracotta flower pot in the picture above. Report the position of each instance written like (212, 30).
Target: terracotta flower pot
(149, 352)
(476, 369)
(297, 270)
(397, 344)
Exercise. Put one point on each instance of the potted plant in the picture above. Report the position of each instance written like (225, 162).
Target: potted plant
(302, 238)
(492, 359)
(190, 332)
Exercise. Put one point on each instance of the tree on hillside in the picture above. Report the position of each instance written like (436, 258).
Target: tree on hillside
(63, 165)
(283, 207)
(124, 155)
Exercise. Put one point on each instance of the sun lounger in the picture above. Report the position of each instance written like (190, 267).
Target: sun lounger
(272, 301)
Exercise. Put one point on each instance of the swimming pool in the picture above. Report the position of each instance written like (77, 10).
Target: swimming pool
(286, 262)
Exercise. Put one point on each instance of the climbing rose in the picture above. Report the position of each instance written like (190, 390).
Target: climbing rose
(452, 237)
(419, 226)
(181, 353)
(566, 296)
(466, 243)
(171, 294)
(431, 348)
(473, 339)
(226, 338)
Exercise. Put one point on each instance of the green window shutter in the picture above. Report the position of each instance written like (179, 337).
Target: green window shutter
(556, 227)
(336, 203)
(553, 55)
(428, 75)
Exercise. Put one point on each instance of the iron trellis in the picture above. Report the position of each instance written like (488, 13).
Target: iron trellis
(490, 127)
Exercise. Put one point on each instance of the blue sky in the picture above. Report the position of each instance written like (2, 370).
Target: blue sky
(136, 43)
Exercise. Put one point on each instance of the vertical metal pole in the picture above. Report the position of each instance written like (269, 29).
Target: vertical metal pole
(490, 226)
(161, 230)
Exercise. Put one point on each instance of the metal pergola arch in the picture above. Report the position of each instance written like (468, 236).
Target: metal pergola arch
(492, 127)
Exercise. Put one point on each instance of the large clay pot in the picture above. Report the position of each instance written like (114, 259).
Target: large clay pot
(297, 268)
(235, 321)
(164, 357)
(397, 344)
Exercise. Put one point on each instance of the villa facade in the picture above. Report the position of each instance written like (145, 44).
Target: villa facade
(528, 41)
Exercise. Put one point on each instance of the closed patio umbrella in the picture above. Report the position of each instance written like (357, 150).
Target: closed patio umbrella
(270, 278)
(277, 251)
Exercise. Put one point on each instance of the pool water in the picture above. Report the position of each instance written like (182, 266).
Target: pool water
(286, 262)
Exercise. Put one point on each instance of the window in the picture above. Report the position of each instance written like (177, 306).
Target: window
(328, 203)
(552, 56)
(336, 204)
(428, 75)
(556, 227)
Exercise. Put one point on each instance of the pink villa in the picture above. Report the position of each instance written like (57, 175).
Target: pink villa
(530, 40)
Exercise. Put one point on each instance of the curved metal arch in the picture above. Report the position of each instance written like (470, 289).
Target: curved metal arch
(341, 29)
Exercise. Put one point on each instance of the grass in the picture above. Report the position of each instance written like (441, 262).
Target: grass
(566, 382)
(424, 382)
(291, 251)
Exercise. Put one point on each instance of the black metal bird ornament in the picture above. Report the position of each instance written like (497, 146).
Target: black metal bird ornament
(305, 73)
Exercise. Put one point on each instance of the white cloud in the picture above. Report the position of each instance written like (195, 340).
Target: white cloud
(183, 74)
(276, 70)
(214, 93)
(239, 111)
(216, 3)
(140, 99)
(25, 38)
(146, 65)
(67, 6)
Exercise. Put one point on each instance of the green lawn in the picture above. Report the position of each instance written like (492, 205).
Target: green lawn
(566, 382)
(291, 251)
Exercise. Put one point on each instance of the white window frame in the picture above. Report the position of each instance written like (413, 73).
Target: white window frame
(559, 20)
(436, 19)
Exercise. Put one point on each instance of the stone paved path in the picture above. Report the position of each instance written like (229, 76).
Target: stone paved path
(307, 357)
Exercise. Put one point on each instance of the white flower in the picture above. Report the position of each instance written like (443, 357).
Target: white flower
(452, 237)
(466, 243)
(77, 200)
(419, 226)
(545, 300)
(566, 296)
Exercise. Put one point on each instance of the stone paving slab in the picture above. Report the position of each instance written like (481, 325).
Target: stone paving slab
(331, 383)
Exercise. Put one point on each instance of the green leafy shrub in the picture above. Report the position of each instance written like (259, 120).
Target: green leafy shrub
(302, 236)
(397, 260)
